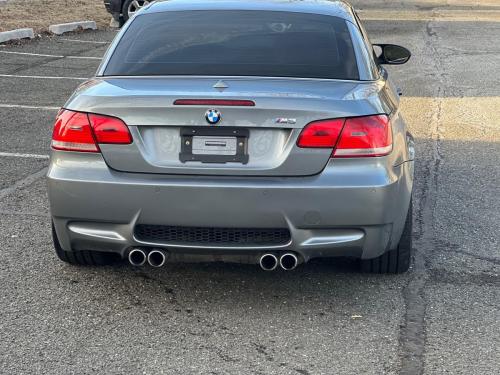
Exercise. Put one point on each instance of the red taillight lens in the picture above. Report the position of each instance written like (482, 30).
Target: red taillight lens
(72, 132)
(365, 136)
(78, 131)
(321, 134)
(110, 130)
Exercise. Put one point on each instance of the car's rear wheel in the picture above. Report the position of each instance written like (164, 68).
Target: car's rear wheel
(82, 258)
(397, 260)
(131, 7)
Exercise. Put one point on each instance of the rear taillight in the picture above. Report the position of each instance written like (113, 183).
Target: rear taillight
(365, 136)
(72, 132)
(321, 134)
(78, 131)
(351, 137)
(110, 130)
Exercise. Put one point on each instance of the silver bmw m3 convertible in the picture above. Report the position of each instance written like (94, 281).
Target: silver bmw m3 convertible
(262, 132)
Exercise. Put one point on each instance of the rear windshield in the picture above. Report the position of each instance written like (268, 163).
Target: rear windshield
(236, 43)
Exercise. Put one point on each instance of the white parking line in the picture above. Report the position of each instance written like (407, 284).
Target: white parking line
(439, 15)
(41, 77)
(83, 41)
(21, 106)
(83, 57)
(30, 54)
(28, 156)
(55, 56)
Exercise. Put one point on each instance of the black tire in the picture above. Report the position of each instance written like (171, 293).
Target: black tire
(397, 260)
(82, 258)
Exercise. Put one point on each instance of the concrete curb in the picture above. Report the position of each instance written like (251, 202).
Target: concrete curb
(72, 26)
(6, 36)
(113, 23)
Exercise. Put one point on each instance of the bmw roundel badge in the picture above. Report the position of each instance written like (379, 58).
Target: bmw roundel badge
(213, 116)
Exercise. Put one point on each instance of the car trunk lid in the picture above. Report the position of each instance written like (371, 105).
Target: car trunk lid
(268, 129)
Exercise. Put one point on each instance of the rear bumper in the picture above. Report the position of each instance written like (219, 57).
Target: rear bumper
(351, 208)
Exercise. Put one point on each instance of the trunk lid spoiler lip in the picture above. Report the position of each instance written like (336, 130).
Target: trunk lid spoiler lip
(238, 88)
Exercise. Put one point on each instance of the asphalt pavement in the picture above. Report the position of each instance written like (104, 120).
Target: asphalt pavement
(443, 316)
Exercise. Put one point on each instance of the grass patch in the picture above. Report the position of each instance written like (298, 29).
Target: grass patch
(39, 14)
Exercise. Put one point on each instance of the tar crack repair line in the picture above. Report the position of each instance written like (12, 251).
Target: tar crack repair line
(412, 335)
(22, 183)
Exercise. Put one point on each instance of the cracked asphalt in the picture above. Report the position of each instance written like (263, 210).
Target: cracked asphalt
(324, 318)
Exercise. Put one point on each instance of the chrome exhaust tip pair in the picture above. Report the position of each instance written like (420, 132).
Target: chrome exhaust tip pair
(287, 261)
(155, 258)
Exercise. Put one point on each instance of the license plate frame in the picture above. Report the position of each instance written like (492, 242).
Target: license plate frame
(240, 156)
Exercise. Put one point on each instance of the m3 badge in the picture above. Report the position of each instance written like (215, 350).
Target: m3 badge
(284, 120)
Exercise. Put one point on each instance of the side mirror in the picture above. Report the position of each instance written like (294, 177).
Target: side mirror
(392, 54)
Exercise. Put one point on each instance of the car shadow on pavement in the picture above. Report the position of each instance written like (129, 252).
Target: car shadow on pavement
(320, 280)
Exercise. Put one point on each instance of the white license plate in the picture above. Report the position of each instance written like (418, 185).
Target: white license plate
(214, 145)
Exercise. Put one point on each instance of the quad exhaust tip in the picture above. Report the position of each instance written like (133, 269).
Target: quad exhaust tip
(137, 257)
(289, 261)
(156, 258)
(268, 262)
